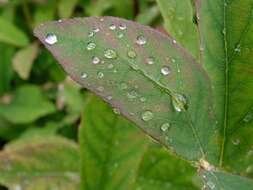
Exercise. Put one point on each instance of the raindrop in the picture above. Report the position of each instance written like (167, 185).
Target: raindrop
(109, 97)
(100, 75)
(123, 86)
(100, 88)
(95, 60)
(84, 75)
(102, 19)
(173, 60)
(131, 54)
(132, 94)
(122, 27)
(51, 39)
(236, 141)
(147, 116)
(143, 99)
(165, 70)
(91, 34)
(110, 66)
(179, 102)
(210, 184)
(201, 48)
(150, 60)
(141, 40)
(116, 111)
(96, 30)
(248, 117)
(120, 35)
(174, 41)
(165, 127)
(238, 48)
(112, 27)
(110, 54)
(91, 46)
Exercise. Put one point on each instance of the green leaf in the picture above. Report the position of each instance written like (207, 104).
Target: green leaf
(111, 148)
(28, 105)
(155, 84)
(11, 34)
(40, 164)
(160, 171)
(179, 22)
(24, 59)
(226, 181)
(148, 15)
(226, 34)
(66, 8)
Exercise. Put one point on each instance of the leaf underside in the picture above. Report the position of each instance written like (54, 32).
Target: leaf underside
(138, 90)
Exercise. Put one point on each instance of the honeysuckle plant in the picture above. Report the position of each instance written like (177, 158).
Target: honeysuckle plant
(191, 90)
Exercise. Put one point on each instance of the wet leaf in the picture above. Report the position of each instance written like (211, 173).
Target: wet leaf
(111, 148)
(28, 104)
(179, 22)
(144, 74)
(24, 59)
(226, 36)
(11, 34)
(40, 164)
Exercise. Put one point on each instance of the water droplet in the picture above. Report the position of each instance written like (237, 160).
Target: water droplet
(236, 141)
(210, 184)
(90, 34)
(102, 19)
(134, 67)
(116, 111)
(122, 27)
(112, 27)
(249, 169)
(96, 30)
(150, 60)
(141, 40)
(248, 117)
(51, 39)
(143, 99)
(110, 66)
(100, 88)
(16, 187)
(91, 46)
(131, 54)
(123, 86)
(120, 35)
(201, 48)
(173, 60)
(100, 75)
(132, 94)
(147, 116)
(165, 127)
(95, 60)
(174, 41)
(110, 54)
(179, 102)
(84, 75)
(238, 48)
(165, 70)
(109, 97)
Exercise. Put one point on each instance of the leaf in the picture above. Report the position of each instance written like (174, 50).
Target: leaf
(226, 181)
(160, 171)
(5, 68)
(11, 34)
(40, 164)
(155, 84)
(24, 59)
(28, 105)
(111, 148)
(66, 8)
(179, 22)
(226, 35)
(148, 15)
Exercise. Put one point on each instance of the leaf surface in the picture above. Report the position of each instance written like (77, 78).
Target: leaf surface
(226, 36)
(144, 74)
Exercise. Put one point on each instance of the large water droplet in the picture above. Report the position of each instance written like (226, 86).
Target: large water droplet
(150, 60)
(179, 102)
(165, 127)
(131, 54)
(95, 60)
(147, 115)
(141, 40)
(51, 39)
(165, 70)
(110, 54)
(91, 46)
(100, 75)
(122, 27)
(112, 27)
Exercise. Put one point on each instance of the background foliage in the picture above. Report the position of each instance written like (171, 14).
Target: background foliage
(41, 109)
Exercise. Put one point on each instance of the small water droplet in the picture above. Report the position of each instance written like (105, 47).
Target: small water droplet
(210, 184)
(134, 67)
(123, 86)
(173, 60)
(236, 141)
(249, 169)
(96, 30)
(150, 60)
(110, 54)
(95, 60)
(100, 75)
(165, 70)
(110, 66)
(122, 27)
(238, 48)
(120, 35)
(131, 54)
(147, 116)
(90, 34)
(201, 48)
(91, 46)
(112, 27)
(248, 117)
(141, 40)
(143, 99)
(165, 127)
(132, 94)
(102, 19)
(116, 111)
(100, 88)
(84, 75)
(179, 102)
(174, 41)
(109, 97)
(51, 39)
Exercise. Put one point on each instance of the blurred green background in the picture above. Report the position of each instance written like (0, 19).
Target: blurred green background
(38, 99)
